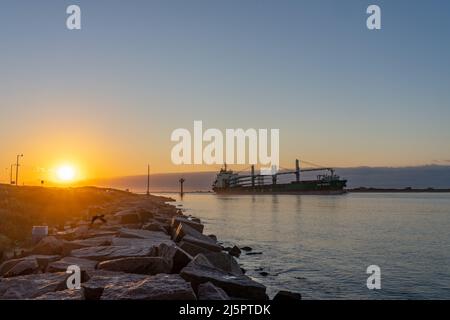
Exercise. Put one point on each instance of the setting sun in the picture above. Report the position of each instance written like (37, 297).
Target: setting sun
(66, 173)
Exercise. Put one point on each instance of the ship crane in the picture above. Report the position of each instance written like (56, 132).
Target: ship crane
(247, 180)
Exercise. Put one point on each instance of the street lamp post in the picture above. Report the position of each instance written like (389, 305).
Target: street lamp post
(17, 168)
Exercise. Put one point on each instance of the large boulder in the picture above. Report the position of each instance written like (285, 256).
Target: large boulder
(208, 291)
(103, 253)
(180, 219)
(128, 216)
(201, 270)
(142, 234)
(107, 285)
(235, 251)
(32, 286)
(134, 242)
(209, 245)
(192, 248)
(224, 262)
(68, 294)
(49, 246)
(287, 295)
(138, 265)
(154, 226)
(177, 257)
(64, 263)
(23, 267)
(27, 265)
(159, 287)
(183, 229)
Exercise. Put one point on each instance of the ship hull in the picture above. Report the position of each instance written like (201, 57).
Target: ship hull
(303, 187)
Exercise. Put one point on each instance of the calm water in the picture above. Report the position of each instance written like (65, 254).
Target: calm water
(321, 246)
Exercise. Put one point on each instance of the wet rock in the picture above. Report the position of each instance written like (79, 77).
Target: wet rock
(246, 248)
(31, 286)
(208, 291)
(213, 236)
(208, 245)
(103, 253)
(184, 229)
(193, 224)
(264, 273)
(192, 249)
(224, 262)
(67, 294)
(177, 257)
(200, 270)
(138, 265)
(64, 263)
(235, 252)
(287, 295)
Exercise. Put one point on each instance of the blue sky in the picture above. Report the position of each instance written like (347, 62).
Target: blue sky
(340, 94)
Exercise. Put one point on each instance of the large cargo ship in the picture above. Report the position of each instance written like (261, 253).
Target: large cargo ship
(327, 183)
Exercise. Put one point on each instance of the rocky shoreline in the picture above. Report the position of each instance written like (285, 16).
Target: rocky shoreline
(142, 249)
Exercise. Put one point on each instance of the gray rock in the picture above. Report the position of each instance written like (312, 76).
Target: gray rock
(49, 246)
(208, 245)
(200, 270)
(32, 286)
(26, 265)
(142, 234)
(213, 236)
(103, 253)
(138, 265)
(194, 225)
(184, 229)
(192, 248)
(124, 286)
(154, 226)
(235, 252)
(287, 295)
(177, 257)
(64, 263)
(224, 262)
(23, 267)
(67, 294)
(208, 291)
(159, 287)
(134, 242)
(128, 216)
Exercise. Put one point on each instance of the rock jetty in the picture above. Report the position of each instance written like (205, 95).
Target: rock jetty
(146, 249)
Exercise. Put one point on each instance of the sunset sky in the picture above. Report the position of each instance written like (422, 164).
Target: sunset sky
(105, 99)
